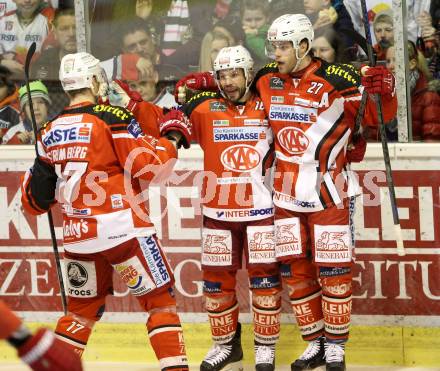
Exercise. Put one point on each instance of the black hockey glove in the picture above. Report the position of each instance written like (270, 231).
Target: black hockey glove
(42, 184)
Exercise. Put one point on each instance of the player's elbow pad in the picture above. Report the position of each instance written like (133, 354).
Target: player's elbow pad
(42, 184)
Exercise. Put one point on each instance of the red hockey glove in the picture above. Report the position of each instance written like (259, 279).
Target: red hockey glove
(378, 80)
(176, 125)
(121, 95)
(195, 81)
(356, 150)
(44, 352)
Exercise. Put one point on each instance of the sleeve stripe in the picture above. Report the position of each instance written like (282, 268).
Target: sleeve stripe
(125, 135)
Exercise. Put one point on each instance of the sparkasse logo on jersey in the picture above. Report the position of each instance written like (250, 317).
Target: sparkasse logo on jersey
(240, 157)
(237, 134)
(66, 134)
(293, 113)
(293, 140)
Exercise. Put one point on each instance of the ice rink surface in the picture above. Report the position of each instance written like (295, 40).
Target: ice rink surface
(118, 366)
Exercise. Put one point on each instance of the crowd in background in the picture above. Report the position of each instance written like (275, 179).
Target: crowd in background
(151, 44)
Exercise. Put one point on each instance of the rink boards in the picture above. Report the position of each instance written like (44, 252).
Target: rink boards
(388, 289)
(396, 299)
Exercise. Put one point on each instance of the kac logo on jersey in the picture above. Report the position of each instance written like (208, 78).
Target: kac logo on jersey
(66, 134)
(293, 113)
(293, 140)
(241, 157)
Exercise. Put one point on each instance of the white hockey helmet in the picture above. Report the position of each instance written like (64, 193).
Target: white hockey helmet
(235, 57)
(77, 72)
(291, 27)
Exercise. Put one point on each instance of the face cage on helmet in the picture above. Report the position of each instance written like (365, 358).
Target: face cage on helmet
(247, 77)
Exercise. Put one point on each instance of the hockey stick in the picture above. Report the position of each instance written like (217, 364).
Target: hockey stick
(386, 155)
(29, 55)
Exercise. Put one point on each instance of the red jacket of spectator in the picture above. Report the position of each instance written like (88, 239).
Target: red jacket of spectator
(425, 106)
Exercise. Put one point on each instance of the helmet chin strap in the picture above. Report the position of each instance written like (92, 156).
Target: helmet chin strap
(298, 60)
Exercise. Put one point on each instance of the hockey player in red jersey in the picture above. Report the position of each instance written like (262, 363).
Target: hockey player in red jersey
(42, 351)
(312, 106)
(91, 159)
(233, 132)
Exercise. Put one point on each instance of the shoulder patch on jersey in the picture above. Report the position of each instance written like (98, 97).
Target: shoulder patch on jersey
(341, 76)
(268, 68)
(197, 99)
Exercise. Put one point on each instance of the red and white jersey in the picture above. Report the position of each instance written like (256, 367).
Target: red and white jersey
(100, 154)
(236, 140)
(7, 6)
(16, 38)
(312, 115)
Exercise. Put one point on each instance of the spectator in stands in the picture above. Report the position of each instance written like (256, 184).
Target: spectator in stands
(323, 14)
(9, 111)
(29, 23)
(149, 90)
(414, 9)
(126, 11)
(425, 98)
(64, 29)
(23, 133)
(135, 39)
(254, 20)
(211, 46)
(383, 32)
(329, 46)
(280, 7)
(429, 39)
(226, 32)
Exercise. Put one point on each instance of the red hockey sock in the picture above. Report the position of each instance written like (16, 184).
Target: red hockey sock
(336, 305)
(74, 331)
(266, 311)
(166, 338)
